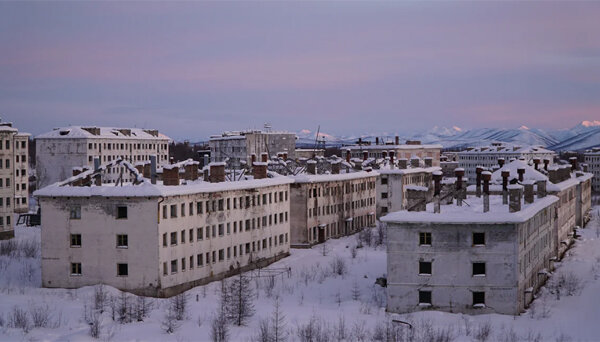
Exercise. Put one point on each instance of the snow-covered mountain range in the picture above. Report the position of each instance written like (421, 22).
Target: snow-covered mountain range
(583, 136)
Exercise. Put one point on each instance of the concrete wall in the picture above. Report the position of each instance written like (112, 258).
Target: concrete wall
(21, 173)
(98, 253)
(7, 193)
(395, 190)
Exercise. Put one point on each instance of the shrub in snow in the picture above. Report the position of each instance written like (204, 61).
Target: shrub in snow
(169, 322)
(340, 331)
(142, 308)
(483, 331)
(313, 330)
(40, 315)
(18, 319)
(8, 248)
(355, 291)
(219, 330)
(325, 249)
(92, 318)
(179, 305)
(29, 248)
(338, 266)
(508, 335)
(353, 252)
(359, 331)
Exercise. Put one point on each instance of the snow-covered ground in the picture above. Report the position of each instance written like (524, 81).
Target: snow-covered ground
(340, 307)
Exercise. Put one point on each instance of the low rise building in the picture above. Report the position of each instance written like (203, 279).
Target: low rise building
(592, 159)
(62, 149)
(408, 151)
(476, 258)
(161, 239)
(393, 183)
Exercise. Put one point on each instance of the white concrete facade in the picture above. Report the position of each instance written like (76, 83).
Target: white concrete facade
(592, 159)
(400, 151)
(469, 262)
(239, 146)
(166, 238)
(61, 150)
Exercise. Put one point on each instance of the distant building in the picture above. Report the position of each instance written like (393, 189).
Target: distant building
(164, 238)
(61, 150)
(409, 150)
(240, 145)
(14, 177)
(309, 153)
(489, 156)
(592, 159)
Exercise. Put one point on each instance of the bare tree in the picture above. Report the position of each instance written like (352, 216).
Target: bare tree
(18, 319)
(100, 298)
(338, 266)
(219, 330)
(241, 306)
(170, 323)
(278, 323)
(124, 308)
(355, 291)
(353, 252)
(143, 307)
(179, 304)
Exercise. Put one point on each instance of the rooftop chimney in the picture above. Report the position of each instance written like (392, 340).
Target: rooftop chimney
(486, 175)
(528, 185)
(153, 169)
(335, 167)
(285, 155)
(264, 157)
(365, 155)
(521, 172)
(402, 163)
(573, 161)
(437, 189)
(505, 174)
(217, 172)
(536, 163)
(459, 172)
(260, 170)
(392, 154)
(478, 171)
(414, 162)
(170, 175)
(501, 162)
(384, 154)
(397, 140)
(376, 140)
(191, 171)
(515, 193)
(98, 177)
(252, 159)
(541, 188)
(311, 167)
(416, 198)
(546, 162)
(348, 155)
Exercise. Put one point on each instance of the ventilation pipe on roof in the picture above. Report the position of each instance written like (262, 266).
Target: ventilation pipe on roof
(478, 171)
(505, 174)
(437, 178)
(521, 172)
(98, 176)
(546, 162)
(515, 193)
(153, 169)
(459, 173)
(486, 175)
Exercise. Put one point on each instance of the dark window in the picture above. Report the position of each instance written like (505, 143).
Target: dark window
(122, 241)
(75, 240)
(424, 297)
(478, 298)
(121, 212)
(384, 195)
(173, 210)
(478, 239)
(425, 239)
(75, 268)
(173, 266)
(75, 212)
(122, 270)
(479, 268)
(165, 240)
(425, 267)
(384, 181)
(173, 238)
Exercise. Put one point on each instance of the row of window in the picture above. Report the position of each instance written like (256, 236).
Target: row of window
(347, 188)
(7, 221)
(224, 228)
(117, 146)
(426, 267)
(241, 202)
(477, 239)
(425, 298)
(75, 212)
(335, 208)
(131, 159)
(122, 269)
(223, 254)
(122, 241)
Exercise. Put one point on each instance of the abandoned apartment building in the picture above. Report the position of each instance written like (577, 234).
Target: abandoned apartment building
(332, 204)
(14, 177)
(62, 149)
(485, 253)
(161, 237)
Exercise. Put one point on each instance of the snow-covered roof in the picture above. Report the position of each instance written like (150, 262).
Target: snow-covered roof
(147, 189)
(70, 132)
(397, 171)
(530, 172)
(506, 148)
(308, 178)
(241, 134)
(391, 147)
(472, 212)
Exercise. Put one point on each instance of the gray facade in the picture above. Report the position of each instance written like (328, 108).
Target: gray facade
(239, 146)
